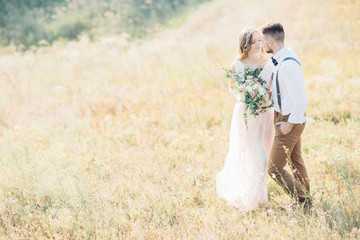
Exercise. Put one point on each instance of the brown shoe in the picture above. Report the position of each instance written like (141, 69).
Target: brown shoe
(306, 204)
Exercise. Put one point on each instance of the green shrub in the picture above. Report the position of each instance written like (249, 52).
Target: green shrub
(27, 22)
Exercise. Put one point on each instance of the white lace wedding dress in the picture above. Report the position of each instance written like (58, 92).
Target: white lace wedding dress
(242, 181)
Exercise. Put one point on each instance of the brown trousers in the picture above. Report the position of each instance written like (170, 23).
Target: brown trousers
(287, 149)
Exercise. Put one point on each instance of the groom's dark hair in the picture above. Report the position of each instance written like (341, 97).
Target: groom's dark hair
(275, 30)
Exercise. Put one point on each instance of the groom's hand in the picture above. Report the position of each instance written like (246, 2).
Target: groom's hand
(285, 127)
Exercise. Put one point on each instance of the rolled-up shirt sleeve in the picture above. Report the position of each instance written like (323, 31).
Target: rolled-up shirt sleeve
(296, 92)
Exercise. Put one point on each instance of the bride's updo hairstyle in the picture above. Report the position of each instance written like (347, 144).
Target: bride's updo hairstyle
(244, 44)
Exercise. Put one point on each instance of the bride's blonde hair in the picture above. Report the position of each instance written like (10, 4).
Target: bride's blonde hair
(244, 43)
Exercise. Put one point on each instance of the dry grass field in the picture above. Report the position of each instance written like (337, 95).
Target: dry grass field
(123, 140)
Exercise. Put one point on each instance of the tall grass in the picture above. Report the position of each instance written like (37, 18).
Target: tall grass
(122, 140)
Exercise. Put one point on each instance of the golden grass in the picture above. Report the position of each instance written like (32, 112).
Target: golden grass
(118, 140)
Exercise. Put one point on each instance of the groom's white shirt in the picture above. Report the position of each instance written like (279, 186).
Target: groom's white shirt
(292, 89)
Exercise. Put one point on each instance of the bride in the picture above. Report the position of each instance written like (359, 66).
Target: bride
(242, 181)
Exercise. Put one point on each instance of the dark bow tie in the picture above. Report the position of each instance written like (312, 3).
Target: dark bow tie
(274, 61)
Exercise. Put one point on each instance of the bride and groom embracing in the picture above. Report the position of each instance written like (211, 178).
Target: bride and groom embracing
(272, 138)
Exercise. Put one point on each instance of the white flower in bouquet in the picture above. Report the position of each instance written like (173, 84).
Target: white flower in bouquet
(262, 90)
(242, 87)
(257, 86)
(248, 89)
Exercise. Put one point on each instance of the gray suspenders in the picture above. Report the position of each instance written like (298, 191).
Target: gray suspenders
(277, 80)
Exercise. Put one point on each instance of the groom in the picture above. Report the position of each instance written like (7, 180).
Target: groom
(290, 102)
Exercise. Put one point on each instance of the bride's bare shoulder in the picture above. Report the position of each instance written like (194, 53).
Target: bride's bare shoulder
(237, 64)
(236, 61)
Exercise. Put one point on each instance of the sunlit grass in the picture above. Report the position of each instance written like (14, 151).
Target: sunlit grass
(117, 140)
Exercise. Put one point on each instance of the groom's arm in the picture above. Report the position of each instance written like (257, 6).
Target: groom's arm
(294, 81)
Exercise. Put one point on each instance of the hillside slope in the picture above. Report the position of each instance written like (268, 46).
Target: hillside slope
(26, 23)
(122, 140)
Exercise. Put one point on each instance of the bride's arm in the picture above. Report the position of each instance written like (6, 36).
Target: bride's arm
(232, 85)
(268, 74)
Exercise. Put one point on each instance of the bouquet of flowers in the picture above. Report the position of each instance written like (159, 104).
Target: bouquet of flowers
(251, 89)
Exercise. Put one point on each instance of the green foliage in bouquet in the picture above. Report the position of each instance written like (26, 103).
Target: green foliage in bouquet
(251, 90)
